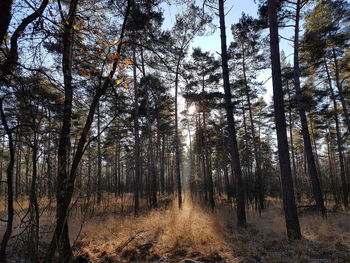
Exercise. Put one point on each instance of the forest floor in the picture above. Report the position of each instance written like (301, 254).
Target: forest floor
(196, 234)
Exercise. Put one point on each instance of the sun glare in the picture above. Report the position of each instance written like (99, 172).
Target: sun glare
(191, 109)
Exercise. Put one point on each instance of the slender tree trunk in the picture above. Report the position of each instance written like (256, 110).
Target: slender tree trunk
(291, 215)
(177, 139)
(48, 160)
(294, 171)
(137, 142)
(339, 141)
(33, 206)
(331, 167)
(9, 179)
(316, 186)
(255, 144)
(233, 147)
(340, 89)
(208, 169)
(1, 162)
(162, 165)
(99, 157)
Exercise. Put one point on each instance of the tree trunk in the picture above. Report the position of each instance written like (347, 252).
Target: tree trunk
(137, 142)
(99, 157)
(177, 139)
(65, 185)
(294, 171)
(9, 174)
(255, 144)
(339, 141)
(11, 58)
(208, 170)
(316, 186)
(33, 206)
(291, 215)
(5, 14)
(233, 148)
(340, 90)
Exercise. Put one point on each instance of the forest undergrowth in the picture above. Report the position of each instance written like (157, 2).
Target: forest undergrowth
(195, 234)
(172, 235)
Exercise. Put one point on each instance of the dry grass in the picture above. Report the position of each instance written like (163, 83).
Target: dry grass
(167, 234)
(193, 232)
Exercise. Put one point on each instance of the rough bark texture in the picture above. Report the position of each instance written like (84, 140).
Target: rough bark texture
(233, 148)
(290, 210)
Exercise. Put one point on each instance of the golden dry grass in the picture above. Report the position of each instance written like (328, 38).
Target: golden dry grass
(104, 234)
(193, 232)
(163, 233)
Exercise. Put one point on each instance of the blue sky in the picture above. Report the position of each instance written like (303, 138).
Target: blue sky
(211, 43)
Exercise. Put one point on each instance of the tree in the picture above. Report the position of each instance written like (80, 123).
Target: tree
(65, 187)
(232, 140)
(290, 210)
(202, 72)
(9, 171)
(246, 53)
(8, 65)
(187, 26)
(304, 124)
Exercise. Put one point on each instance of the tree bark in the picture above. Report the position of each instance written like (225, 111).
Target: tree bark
(9, 174)
(12, 58)
(233, 148)
(255, 144)
(5, 14)
(33, 205)
(311, 165)
(137, 142)
(290, 210)
(177, 139)
(340, 90)
(99, 157)
(345, 188)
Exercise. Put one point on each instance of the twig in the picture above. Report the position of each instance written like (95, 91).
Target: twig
(122, 246)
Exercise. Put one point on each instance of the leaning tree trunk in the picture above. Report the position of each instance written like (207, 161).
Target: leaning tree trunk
(10, 62)
(232, 140)
(61, 236)
(311, 165)
(65, 187)
(290, 209)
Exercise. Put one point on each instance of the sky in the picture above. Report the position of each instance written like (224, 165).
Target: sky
(212, 42)
(234, 10)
